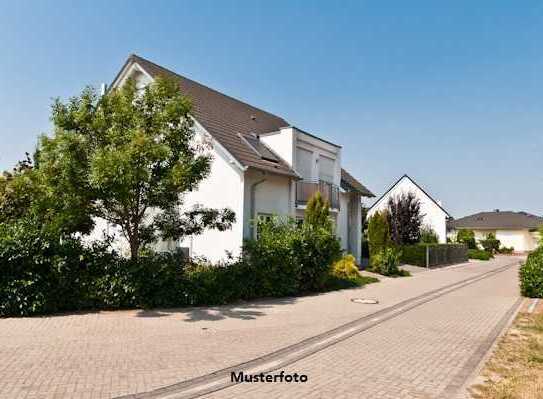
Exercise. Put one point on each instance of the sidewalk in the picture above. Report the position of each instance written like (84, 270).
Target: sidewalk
(108, 354)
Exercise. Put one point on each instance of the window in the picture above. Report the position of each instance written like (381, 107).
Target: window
(262, 218)
(261, 149)
(304, 163)
(265, 217)
(326, 169)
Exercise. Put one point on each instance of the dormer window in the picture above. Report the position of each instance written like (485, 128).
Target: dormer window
(254, 143)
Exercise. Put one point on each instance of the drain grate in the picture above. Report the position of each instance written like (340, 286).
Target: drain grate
(365, 301)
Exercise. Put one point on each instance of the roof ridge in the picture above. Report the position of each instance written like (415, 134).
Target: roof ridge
(137, 57)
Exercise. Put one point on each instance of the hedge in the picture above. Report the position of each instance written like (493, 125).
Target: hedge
(42, 273)
(531, 275)
(479, 254)
(439, 254)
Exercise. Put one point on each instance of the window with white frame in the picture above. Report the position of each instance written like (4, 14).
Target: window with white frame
(326, 169)
(304, 163)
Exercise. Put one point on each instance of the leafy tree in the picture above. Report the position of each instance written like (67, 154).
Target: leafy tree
(466, 236)
(428, 235)
(404, 219)
(491, 243)
(317, 212)
(128, 157)
(378, 234)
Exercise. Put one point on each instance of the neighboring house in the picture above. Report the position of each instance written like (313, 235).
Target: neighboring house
(513, 229)
(262, 166)
(434, 215)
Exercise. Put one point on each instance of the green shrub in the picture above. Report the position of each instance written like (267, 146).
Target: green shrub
(465, 236)
(428, 235)
(506, 250)
(479, 254)
(378, 234)
(387, 262)
(272, 257)
(345, 268)
(439, 254)
(490, 243)
(531, 275)
(414, 255)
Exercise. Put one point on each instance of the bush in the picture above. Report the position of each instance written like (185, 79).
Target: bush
(506, 250)
(439, 254)
(387, 262)
(42, 272)
(531, 275)
(345, 268)
(288, 258)
(490, 243)
(414, 255)
(272, 257)
(465, 236)
(479, 254)
(428, 235)
(378, 234)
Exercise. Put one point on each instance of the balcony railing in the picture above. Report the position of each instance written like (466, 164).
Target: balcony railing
(305, 189)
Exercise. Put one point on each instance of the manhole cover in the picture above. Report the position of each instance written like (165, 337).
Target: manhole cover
(367, 301)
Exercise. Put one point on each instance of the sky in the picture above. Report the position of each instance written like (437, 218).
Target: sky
(448, 92)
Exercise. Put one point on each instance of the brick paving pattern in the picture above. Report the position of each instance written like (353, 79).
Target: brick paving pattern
(108, 354)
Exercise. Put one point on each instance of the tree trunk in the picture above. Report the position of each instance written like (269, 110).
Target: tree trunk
(134, 246)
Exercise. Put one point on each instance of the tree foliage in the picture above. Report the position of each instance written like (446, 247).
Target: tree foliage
(466, 236)
(128, 157)
(428, 235)
(317, 212)
(491, 244)
(404, 219)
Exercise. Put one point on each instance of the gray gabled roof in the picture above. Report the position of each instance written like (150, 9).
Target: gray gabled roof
(497, 220)
(349, 183)
(225, 118)
(228, 120)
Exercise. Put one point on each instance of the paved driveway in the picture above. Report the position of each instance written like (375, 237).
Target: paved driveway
(422, 340)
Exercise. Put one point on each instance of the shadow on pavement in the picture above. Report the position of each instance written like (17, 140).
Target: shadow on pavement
(240, 311)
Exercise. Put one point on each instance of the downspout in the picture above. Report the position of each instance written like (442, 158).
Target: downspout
(253, 207)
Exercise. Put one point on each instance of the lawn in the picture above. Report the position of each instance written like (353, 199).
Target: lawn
(515, 370)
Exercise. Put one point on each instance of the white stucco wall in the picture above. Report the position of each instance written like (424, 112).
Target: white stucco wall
(434, 216)
(272, 195)
(223, 188)
(520, 240)
(282, 142)
(342, 228)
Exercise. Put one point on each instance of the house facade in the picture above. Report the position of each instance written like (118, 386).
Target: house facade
(262, 166)
(434, 215)
(518, 230)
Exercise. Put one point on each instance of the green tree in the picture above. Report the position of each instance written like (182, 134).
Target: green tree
(378, 234)
(491, 243)
(317, 212)
(428, 235)
(466, 236)
(128, 157)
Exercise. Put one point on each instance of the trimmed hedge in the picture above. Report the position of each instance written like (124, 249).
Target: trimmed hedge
(439, 254)
(41, 273)
(479, 254)
(531, 275)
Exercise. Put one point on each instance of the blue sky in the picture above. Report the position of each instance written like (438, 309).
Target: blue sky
(450, 93)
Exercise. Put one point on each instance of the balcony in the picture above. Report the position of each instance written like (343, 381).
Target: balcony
(305, 189)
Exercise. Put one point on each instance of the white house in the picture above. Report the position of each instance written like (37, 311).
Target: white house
(262, 166)
(513, 229)
(434, 215)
